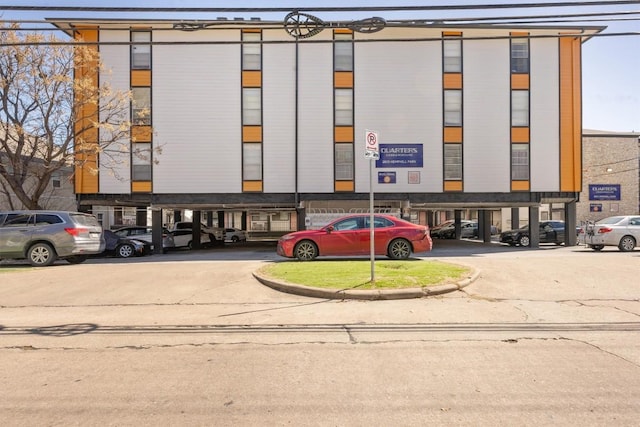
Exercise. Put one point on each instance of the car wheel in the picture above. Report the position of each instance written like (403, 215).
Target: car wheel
(524, 241)
(597, 247)
(190, 245)
(125, 250)
(306, 250)
(627, 243)
(399, 249)
(41, 255)
(77, 259)
(235, 239)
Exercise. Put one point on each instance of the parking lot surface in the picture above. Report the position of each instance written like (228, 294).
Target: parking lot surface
(543, 336)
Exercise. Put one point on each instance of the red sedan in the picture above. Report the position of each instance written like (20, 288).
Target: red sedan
(350, 235)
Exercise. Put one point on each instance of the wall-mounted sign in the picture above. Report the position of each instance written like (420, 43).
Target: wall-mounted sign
(604, 191)
(400, 156)
(386, 177)
(595, 207)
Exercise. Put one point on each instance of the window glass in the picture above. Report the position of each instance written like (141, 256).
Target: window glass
(141, 106)
(344, 161)
(141, 53)
(17, 220)
(453, 108)
(520, 108)
(378, 222)
(343, 52)
(348, 224)
(344, 107)
(251, 52)
(520, 161)
(452, 161)
(141, 161)
(44, 219)
(251, 107)
(252, 162)
(519, 55)
(452, 56)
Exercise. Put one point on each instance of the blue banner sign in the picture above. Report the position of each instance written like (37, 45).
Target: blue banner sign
(386, 177)
(604, 191)
(400, 156)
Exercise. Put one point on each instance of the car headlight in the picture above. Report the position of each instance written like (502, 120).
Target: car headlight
(287, 237)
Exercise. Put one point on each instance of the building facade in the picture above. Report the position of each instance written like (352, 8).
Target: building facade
(266, 129)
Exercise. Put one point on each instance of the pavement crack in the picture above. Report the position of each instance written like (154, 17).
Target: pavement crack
(602, 350)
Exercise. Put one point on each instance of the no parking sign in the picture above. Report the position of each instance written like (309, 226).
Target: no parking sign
(372, 145)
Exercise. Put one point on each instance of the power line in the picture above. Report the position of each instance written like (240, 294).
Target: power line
(314, 8)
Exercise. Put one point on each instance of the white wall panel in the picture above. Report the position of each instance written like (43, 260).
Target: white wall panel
(316, 118)
(398, 89)
(545, 115)
(197, 115)
(278, 81)
(486, 123)
(115, 169)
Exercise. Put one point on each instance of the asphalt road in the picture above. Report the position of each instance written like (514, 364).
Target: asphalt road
(543, 337)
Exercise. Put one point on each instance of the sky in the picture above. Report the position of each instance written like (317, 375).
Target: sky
(610, 67)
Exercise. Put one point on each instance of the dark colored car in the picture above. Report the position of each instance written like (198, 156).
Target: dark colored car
(350, 235)
(447, 230)
(550, 232)
(124, 247)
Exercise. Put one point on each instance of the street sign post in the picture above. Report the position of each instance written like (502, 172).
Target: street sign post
(372, 152)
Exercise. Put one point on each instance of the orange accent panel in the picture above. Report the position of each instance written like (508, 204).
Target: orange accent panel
(520, 135)
(251, 78)
(452, 81)
(140, 78)
(252, 30)
(86, 142)
(251, 186)
(251, 133)
(570, 115)
(344, 186)
(342, 31)
(343, 134)
(141, 187)
(452, 134)
(519, 81)
(452, 33)
(519, 185)
(141, 133)
(453, 186)
(519, 34)
(343, 79)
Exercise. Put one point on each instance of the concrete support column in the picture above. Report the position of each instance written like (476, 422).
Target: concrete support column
(195, 230)
(534, 226)
(302, 216)
(221, 219)
(484, 225)
(515, 219)
(570, 223)
(177, 216)
(141, 216)
(156, 230)
(457, 217)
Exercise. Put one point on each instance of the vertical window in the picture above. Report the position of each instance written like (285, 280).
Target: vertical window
(141, 161)
(343, 52)
(141, 106)
(519, 108)
(519, 55)
(453, 107)
(344, 162)
(141, 50)
(452, 53)
(252, 161)
(251, 51)
(56, 181)
(452, 161)
(520, 161)
(344, 107)
(251, 106)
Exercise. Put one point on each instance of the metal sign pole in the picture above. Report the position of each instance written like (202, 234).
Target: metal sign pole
(371, 224)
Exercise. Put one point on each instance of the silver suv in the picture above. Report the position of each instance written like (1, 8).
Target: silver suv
(44, 236)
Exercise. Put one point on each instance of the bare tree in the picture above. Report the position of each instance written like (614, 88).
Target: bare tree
(54, 114)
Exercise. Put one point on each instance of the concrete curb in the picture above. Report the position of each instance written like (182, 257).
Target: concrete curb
(371, 295)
